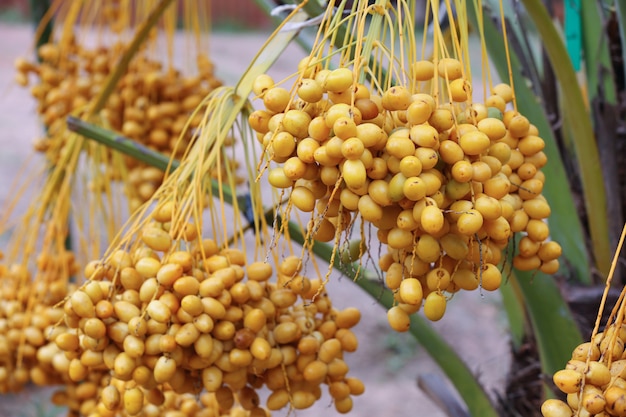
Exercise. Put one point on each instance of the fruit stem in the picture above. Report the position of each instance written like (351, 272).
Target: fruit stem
(120, 143)
(146, 155)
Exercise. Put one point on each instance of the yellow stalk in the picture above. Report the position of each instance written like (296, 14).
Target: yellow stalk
(486, 69)
(507, 54)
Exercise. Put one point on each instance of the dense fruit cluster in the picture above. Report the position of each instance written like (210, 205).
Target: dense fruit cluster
(594, 379)
(150, 104)
(27, 317)
(184, 315)
(446, 185)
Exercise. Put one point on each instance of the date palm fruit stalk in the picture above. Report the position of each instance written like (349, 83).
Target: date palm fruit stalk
(443, 179)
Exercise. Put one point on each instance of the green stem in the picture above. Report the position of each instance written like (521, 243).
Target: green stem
(140, 152)
(120, 143)
(122, 65)
(582, 132)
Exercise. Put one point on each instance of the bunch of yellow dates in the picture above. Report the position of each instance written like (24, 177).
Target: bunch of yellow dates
(445, 185)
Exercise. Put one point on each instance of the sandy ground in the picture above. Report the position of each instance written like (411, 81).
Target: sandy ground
(387, 362)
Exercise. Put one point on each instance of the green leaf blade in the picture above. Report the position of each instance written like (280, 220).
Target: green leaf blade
(554, 327)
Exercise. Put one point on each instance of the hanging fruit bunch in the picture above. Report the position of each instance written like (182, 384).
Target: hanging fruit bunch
(27, 314)
(151, 103)
(394, 139)
(36, 274)
(188, 320)
(175, 307)
(594, 380)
